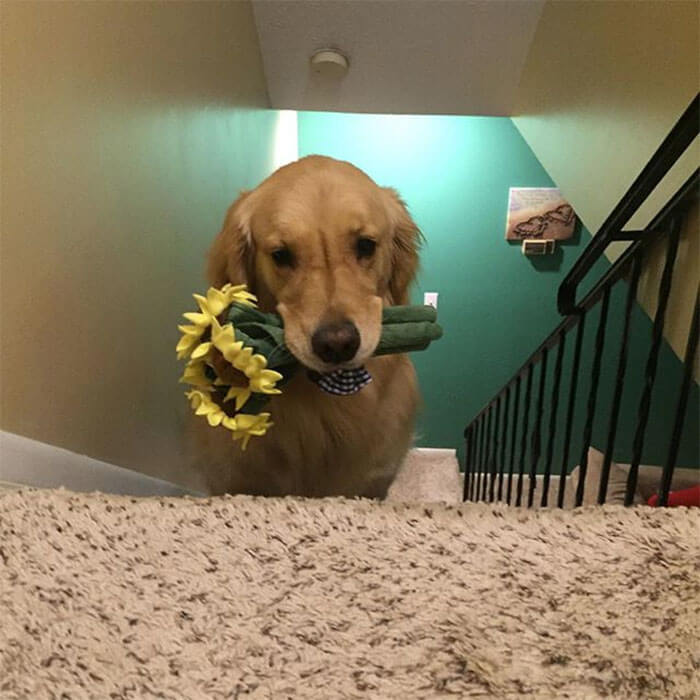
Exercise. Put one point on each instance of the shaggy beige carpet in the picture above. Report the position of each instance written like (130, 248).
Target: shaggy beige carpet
(112, 597)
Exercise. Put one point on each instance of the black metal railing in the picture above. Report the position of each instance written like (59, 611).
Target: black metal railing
(504, 441)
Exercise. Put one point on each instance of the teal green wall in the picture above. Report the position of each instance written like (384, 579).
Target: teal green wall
(495, 305)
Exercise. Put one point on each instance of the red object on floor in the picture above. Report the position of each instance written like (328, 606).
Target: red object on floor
(687, 497)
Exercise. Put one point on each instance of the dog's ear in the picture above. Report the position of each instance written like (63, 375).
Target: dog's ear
(231, 256)
(406, 243)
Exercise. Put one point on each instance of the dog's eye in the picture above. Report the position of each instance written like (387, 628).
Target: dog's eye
(283, 257)
(365, 247)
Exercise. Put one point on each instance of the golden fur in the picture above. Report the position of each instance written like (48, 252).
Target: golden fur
(321, 444)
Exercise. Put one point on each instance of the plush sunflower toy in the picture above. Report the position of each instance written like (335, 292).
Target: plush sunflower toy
(237, 359)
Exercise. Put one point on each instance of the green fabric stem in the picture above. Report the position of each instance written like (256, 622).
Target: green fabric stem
(404, 329)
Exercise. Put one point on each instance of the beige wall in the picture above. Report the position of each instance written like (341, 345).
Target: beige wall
(602, 86)
(126, 130)
(686, 276)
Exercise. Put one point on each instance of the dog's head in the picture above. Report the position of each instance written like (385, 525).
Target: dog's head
(324, 246)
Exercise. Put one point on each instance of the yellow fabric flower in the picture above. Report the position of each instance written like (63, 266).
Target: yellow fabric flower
(203, 405)
(261, 383)
(264, 382)
(189, 340)
(247, 426)
(240, 393)
(195, 374)
(252, 367)
(224, 339)
(201, 351)
(215, 302)
(243, 426)
(219, 299)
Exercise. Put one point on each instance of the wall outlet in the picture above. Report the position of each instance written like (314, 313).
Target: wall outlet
(430, 299)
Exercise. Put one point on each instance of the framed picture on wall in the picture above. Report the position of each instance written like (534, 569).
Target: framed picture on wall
(538, 212)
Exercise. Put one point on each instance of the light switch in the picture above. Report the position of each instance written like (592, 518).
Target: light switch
(430, 299)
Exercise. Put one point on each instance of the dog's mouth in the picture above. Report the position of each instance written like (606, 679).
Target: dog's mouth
(341, 382)
(317, 367)
(334, 345)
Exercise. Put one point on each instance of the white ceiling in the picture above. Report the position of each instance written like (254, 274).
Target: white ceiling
(406, 56)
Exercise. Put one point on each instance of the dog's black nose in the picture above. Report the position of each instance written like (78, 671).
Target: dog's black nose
(336, 342)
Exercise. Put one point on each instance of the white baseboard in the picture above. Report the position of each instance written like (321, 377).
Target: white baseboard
(436, 451)
(26, 462)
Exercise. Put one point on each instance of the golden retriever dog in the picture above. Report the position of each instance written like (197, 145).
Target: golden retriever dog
(325, 247)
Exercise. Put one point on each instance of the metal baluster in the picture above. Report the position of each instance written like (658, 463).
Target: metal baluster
(592, 395)
(472, 467)
(494, 453)
(523, 441)
(554, 408)
(688, 364)
(480, 465)
(514, 437)
(652, 360)
(502, 460)
(620, 379)
(537, 431)
(477, 458)
(570, 411)
(487, 461)
(468, 438)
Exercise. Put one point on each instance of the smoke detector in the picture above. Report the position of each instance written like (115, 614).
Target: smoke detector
(329, 63)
